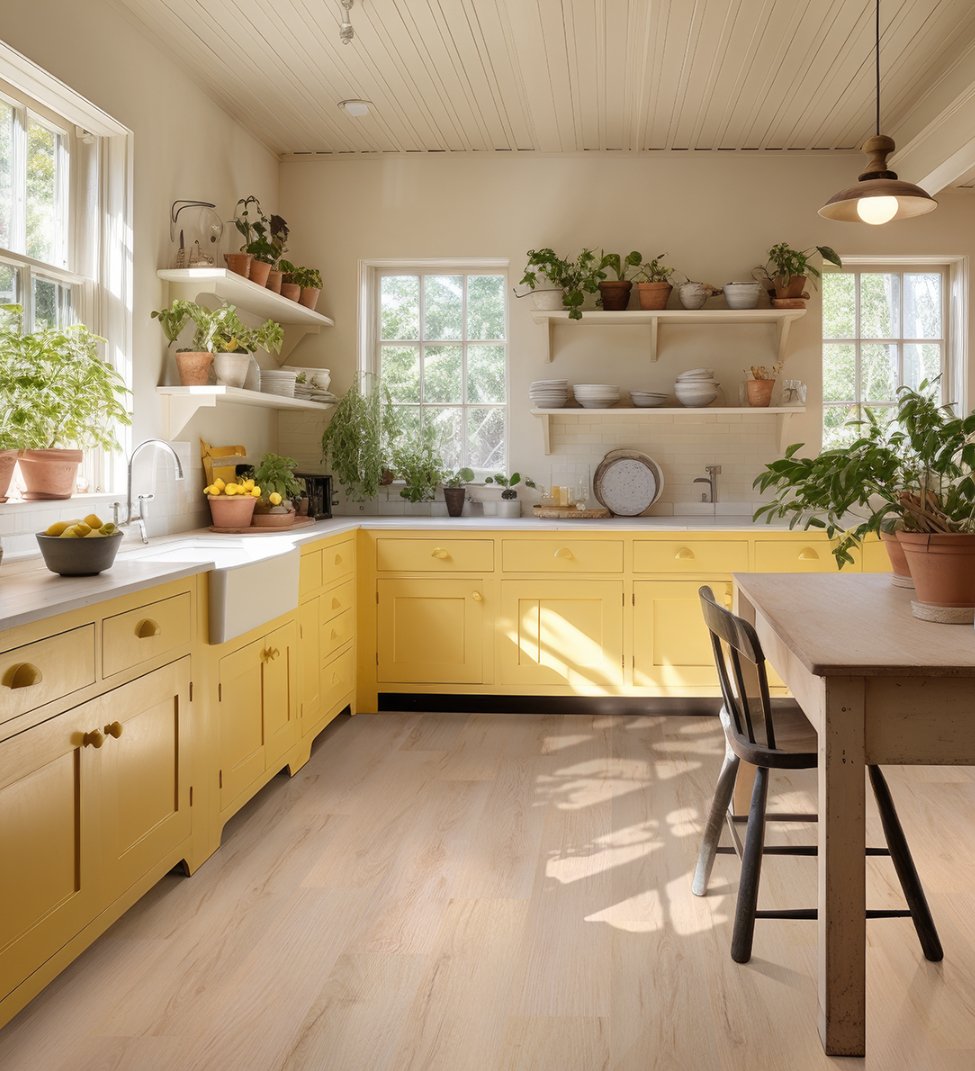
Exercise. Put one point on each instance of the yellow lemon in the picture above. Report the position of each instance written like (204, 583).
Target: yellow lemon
(57, 528)
(256, 493)
(108, 528)
(248, 485)
(69, 533)
(81, 529)
(274, 498)
(93, 520)
(219, 484)
(230, 489)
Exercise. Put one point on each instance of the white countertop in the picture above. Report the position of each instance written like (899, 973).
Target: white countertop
(28, 592)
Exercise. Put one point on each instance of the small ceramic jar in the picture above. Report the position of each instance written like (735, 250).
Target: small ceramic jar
(742, 295)
(693, 295)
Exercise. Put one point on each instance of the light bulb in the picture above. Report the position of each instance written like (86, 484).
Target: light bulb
(877, 210)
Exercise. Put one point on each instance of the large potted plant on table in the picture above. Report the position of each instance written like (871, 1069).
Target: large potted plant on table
(913, 478)
(60, 398)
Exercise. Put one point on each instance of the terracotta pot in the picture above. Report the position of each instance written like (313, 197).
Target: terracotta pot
(386, 477)
(454, 497)
(309, 296)
(615, 294)
(274, 280)
(653, 295)
(239, 263)
(759, 391)
(900, 571)
(292, 291)
(8, 459)
(49, 473)
(275, 517)
(260, 270)
(795, 289)
(194, 367)
(943, 567)
(231, 511)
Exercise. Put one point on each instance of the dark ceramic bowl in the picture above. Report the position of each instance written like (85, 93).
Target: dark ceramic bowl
(79, 557)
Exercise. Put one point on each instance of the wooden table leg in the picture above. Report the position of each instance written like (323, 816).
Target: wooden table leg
(842, 878)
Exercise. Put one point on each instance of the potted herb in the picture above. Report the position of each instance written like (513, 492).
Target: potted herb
(279, 491)
(255, 258)
(786, 270)
(308, 282)
(615, 293)
(60, 398)
(509, 506)
(572, 278)
(358, 442)
(759, 387)
(455, 490)
(653, 285)
(913, 477)
(275, 246)
(419, 463)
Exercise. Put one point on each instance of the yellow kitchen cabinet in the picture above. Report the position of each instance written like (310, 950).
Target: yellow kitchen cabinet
(690, 554)
(563, 556)
(309, 664)
(257, 700)
(558, 632)
(431, 630)
(432, 555)
(873, 557)
(671, 646)
(811, 554)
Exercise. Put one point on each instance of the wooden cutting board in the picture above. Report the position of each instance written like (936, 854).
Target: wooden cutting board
(567, 514)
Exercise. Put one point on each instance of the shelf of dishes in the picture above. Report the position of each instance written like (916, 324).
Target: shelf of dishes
(715, 412)
(182, 403)
(780, 319)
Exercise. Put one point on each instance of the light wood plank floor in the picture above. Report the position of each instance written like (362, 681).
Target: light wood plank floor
(503, 893)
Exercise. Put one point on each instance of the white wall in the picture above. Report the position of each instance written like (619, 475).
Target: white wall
(714, 215)
(185, 147)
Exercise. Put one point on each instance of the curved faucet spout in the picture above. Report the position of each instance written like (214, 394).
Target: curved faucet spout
(128, 488)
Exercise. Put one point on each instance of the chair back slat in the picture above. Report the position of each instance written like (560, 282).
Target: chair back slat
(735, 644)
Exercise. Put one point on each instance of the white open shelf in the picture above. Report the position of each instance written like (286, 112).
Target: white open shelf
(780, 319)
(183, 402)
(782, 412)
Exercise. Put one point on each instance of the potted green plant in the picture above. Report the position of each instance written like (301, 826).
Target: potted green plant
(60, 398)
(615, 293)
(761, 382)
(786, 270)
(307, 280)
(653, 285)
(509, 506)
(572, 279)
(280, 490)
(254, 227)
(270, 248)
(455, 490)
(913, 477)
(359, 439)
(419, 463)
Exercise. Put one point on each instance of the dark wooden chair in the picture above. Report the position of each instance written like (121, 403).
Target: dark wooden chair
(787, 743)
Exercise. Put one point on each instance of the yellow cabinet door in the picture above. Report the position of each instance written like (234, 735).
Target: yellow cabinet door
(49, 840)
(431, 631)
(309, 665)
(279, 690)
(874, 557)
(241, 721)
(146, 773)
(562, 632)
(671, 645)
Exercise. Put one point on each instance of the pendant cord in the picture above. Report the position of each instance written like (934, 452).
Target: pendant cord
(877, 54)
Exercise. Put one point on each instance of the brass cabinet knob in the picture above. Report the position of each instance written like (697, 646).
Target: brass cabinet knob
(808, 554)
(146, 628)
(92, 739)
(564, 552)
(115, 729)
(477, 596)
(439, 552)
(684, 554)
(22, 675)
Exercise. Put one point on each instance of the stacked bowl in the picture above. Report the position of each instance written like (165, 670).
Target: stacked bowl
(549, 393)
(596, 395)
(648, 399)
(696, 388)
(280, 383)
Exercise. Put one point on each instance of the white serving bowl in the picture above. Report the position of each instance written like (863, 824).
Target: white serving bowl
(648, 401)
(696, 373)
(742, 295)
(697, 398)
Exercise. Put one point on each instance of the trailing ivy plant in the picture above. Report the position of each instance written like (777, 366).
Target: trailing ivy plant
(575, 278)
(359, 441)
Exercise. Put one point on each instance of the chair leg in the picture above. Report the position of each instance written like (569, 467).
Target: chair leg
(716, 816)
(751, 869)
(900, 854)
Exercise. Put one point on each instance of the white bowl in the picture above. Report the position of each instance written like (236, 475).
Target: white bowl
(649, 401)
(742, 295)
(696, 373)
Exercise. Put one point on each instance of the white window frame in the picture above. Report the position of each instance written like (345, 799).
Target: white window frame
(98, 259)
(370, 273)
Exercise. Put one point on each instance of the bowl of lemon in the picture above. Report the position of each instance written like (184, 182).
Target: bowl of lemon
(80, 547)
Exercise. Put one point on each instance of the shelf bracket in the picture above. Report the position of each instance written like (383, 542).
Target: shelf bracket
(784, 326)
(785, 423)
(654, 327)
(293, 334)
(179, 410)
(550, 340)
(546, 432)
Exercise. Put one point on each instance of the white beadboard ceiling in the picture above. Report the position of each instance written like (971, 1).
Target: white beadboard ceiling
(563, 76)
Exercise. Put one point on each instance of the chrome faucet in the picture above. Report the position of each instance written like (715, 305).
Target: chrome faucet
(711, 494)
(142, 499)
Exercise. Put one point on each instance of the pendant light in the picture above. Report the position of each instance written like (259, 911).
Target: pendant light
(879, 195)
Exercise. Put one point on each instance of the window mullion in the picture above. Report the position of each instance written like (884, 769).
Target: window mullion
(18, 182)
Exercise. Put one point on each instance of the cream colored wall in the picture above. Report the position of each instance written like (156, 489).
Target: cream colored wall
(185, 146)
(714, 215)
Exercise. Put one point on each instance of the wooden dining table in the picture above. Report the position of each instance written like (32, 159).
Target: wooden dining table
(879, 686)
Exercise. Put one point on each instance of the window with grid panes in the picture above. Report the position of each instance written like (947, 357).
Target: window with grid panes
(882, 328)
(441, 350)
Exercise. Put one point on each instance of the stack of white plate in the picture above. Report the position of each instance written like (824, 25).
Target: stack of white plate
(648, 399)
(549, 393)
(696, 388)
(279, 382)
(596, 395)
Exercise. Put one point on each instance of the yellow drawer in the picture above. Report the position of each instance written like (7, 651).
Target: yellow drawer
(562, 556)
(689, 556)
(337, 601)
(41, 672)
(309, 573)
(142, 634)
(794, 556)
(874, 557)
(435, 555)
(338, 678)
(335, 634)
(338, 561)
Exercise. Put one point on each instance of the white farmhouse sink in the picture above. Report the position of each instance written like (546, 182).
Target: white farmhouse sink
(251, 582)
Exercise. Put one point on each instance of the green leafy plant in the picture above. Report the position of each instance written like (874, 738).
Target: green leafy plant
(359, 440)
(459, 478)
(575, 278)
(57, 390)
(275, 474)
(654, 271)
(784, 262)
(418, 461)
(218, 330)
(914, 472)
(301, 276)
(509, 483)
(264, 236)
(620, 266)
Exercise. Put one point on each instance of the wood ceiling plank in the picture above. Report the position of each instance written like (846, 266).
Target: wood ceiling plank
(672, 60)
(534, 66)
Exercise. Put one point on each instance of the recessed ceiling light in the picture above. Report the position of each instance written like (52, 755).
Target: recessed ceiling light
(355, 106)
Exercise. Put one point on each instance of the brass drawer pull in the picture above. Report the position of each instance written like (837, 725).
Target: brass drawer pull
(808, 554)
(477, 596)
(115, 729)
(146, 628)
(93, 739)
(336, 603)
(22, 675)
(684, 554)
(439, 552)
(564, 552)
